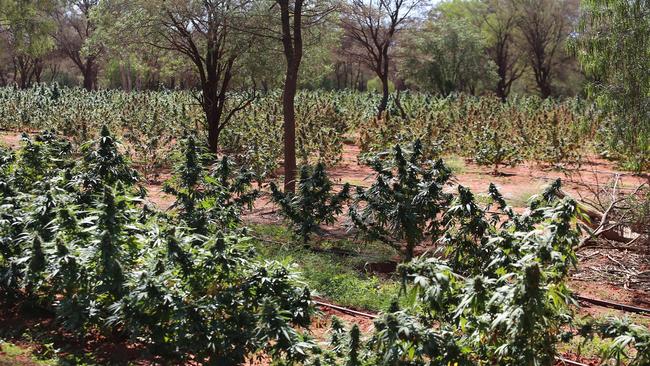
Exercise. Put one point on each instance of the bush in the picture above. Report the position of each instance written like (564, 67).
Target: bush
(404, 203)
(508, 306)
(208, 198)
(320, 133)
(495, 147)
(314, 203)
(104, 164)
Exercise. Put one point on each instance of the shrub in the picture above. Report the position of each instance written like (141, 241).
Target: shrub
(404, 204)
(630, 342)
(207, 197)
(495, 147)
(150, 141)
(320, 132)
(104, 164)
(314, 203)
(509, 306)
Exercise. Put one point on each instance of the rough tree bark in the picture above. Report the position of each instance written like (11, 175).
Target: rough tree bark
(292, 45)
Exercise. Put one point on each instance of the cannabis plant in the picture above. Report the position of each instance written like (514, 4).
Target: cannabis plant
(313, 204)
(40, 158)
(495, 148)
(402, 208)
(207, 196)
(508, 306)
(629, 343)
(320, 131)
(148, 137)
(104, 164)
(6, 157)
(98, 263)
(465, 242)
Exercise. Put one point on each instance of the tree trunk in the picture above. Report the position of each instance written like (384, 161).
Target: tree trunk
(383, 75)
(123, 77)
(38, 71)
(385, 95)
(408, 255)
(358, 80)
(129, 80)
(288, 110)
(545, 89)
(214, 131)
(292, 44)
(23, 73)
(214, 101)
(89, 74)
(502, 90)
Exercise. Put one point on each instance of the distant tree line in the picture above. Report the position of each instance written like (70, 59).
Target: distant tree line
(472, 46)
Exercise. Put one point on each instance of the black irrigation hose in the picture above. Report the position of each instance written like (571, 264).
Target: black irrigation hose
(613, 305)
(344, 310)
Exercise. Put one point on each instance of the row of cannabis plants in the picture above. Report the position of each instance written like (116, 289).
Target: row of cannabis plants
(78, 238)
(484, 129)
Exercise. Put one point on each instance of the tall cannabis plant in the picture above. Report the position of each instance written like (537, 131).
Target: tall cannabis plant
(97, 262)
(402, 208)
(507, 306)
(315, 202)
(207, 195)
(104, 164)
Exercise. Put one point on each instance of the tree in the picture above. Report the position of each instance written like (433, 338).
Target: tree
(348, 72)
(292, 45)
(294, 17)
(24, 29)
(613, 47)
(74, 27)
(544, 27)
(500, 26)
(448, 55)
(496, 22)
(204, 32)
(373, 25)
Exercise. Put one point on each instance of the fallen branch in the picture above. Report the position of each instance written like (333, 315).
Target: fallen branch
(605, 227)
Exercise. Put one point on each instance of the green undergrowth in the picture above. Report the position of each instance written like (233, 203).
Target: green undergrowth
(456, 164)
(14, 355)
(340, 278)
